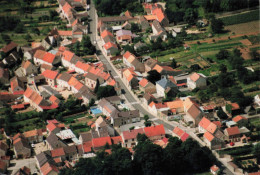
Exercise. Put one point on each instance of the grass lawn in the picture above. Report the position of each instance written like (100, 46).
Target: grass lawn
(241, 18)
(71, 119)
(30, 124)
(255, 121)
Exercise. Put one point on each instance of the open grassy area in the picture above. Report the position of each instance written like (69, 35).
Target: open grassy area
(241, 18)
(255, 121)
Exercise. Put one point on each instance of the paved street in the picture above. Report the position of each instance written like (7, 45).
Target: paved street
(15, 165)
(131, 98)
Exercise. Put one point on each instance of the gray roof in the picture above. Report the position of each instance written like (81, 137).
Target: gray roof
(158, 26)
(86, 137)
(164, 83)
(44, 157)
(109, 38)
(114, 18)
(65, 76)
(126, 114)
(70, 149)
(54, 141)
(101, 132)
(113, 98)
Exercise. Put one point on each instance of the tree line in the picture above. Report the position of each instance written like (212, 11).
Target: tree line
(176, 158)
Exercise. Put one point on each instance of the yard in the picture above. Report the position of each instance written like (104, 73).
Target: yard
(244, 28)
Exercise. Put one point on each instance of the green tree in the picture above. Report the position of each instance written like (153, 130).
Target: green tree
(135, 28)
(153, 76)
(256, 151)
(223, 54)
(216, 25)
(221, 114)
(190, 16)
(28, 37)
(105, 91)
(97, 86)
(19, 28)
(174, 63)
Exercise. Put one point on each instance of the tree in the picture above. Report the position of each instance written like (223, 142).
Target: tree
(173, 63)
(135, 28)
(105, 91)
(195, 67)
(256, 151)
(223, 54)
(35, 30)
(147, 122)
(97, 86)
(190, 16)
(223, 68)
(19, 28)
(255, 55)
(216, 25)
(28, 37)
(153, 76)
(221, 114)
(92, 102)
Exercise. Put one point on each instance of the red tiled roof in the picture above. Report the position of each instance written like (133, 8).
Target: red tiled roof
(99, 142)
(9, 47)
(117, 139)
(74, 23)
(26, 64)
(51, 126)
(157, 130)
(3, 165)
(67, 55)
(66, 8)
(233, 131)
(255, 173)
(105, 33)
(57, 152)
(53, 121)
(39, 54)
(214, 168)
(49, 74)
(65, 33)
(108, 45)
(18, 106)
(184, 137)
(48, 57)
(235, 106)
(218, 123)
(84, 66)
(127, 54)
(47, 168)
(178, 131)
(32, 133)
(86, 148)
(204, 123)
(208, 136)
(143, 82)
(194, 77)
(90, 123)
(132, 134)
(238, 118)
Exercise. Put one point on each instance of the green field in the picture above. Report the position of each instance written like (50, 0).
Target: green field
(255, 121)
(241, 18)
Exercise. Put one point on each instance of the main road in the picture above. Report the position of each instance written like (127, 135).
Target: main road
(131, 98)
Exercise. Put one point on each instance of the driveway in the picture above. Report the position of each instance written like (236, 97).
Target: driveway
(15, 165)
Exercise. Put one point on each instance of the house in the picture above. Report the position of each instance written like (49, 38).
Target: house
(149, 64)
(162, 85)
(91, 80)
(71, 152)
(34, 136)
(130, 78)
(54, 142)
(28, 54)
(106, 107)
(175, 31)
(9, 48)
(63, 79)
(11, 59)
(125, 117)
(182, 135)
(148, 98)
(49, 169)
(23, 171)
(55, 127)
(28, 68)
(126, 26)
(155, 132)
(99, 143)
(3, 148)
(214, 169)
(85, 137)
(124, 36)
(167, 70)
(4, 76)
(35, 99)
(240, 120)
(58, 153)
(114, 20)
(231, 124)
(115, 100)
(144, 23)
(196, 80)
(146, 86)
(176, 106)
(22, 147)
(160, 16)
(193, 112)
(50, 77)
(206, 125)
(158, 31)
(233, 134)
(42, 57)
(131, 61)
(110, 48)
(211, 141)
(52, 39)
(130, 137)
(155, 108)
(107, 36)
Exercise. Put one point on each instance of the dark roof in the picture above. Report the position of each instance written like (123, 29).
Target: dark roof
(12, 58)
(126, 114)
(113, 98)
(65, 76)
(70, 149)
(114, 18)
(164, 83)
(92, 76)
(109, 38)
(102, 132)
(4, 73)
(150, 63)
(86, 137)
(158, 26)
(43, 157)
(54, 141)
(22, 144)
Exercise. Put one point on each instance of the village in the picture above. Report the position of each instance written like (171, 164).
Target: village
(80, 91)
